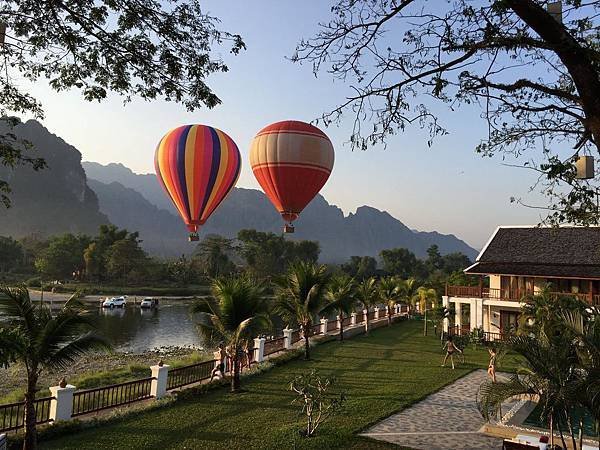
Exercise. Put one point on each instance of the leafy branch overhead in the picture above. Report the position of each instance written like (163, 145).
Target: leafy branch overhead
(143, 48)
(533, 74)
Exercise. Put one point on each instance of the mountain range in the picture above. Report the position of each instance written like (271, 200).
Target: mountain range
(70, 196)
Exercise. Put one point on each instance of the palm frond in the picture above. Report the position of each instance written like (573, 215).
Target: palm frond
(74, 349)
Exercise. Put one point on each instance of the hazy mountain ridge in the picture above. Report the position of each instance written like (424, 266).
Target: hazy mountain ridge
(365, 232)
(50, 201)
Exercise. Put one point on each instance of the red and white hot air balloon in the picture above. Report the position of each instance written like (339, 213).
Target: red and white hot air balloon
(292, 161)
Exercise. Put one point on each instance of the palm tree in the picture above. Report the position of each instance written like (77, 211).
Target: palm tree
(547, 373)
(300, 296)
(41, 341)
(426, 297)
(367, 296)
(389, 293)
(236, 313)
(408, 290)
(340, 299)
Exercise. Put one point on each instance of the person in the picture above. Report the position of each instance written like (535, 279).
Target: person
(248, 354)
(450, 349)
(492, 365)
(220, 356)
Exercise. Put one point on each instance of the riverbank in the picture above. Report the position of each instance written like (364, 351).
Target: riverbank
(98, 370)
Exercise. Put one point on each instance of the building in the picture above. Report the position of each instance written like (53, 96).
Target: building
(520, 261)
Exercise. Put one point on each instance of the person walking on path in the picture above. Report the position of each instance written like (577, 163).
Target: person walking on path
(451, 348)
(220, 356)
(492, 365)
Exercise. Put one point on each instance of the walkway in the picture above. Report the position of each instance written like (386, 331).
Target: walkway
(446, 420)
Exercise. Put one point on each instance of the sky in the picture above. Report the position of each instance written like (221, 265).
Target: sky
(445, 187)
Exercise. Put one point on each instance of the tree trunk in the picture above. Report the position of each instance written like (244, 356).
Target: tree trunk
(341, 327)
(235, 379)
(306, 343)
(425, 322)
(30, 439)
(367, 325)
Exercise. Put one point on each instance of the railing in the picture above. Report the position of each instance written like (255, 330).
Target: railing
(346, 322)
(274, 345)
(332, 325)
(513, 294)
(194, 373)
(360, 317)
(12, 416)
(316, 329)
(372, 315)
(97, 399)
(296, 336)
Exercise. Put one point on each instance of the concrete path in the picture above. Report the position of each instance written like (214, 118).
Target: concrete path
(446, 420)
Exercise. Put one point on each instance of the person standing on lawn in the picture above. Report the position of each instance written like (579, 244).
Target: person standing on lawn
(451, 348)
(220, 356)
(492, 365)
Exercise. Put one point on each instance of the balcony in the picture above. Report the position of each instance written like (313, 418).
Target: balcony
(514, 295)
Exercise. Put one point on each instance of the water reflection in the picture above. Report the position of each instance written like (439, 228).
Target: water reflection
(135, 330)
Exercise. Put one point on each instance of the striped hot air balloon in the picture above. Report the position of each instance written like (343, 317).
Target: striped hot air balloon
(291, 161)
(197, 166)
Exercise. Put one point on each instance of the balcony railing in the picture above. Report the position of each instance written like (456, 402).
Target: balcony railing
(516, 295)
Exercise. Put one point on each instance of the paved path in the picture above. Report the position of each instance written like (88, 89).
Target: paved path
(446, 420)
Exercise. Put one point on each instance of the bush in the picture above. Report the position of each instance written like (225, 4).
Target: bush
(33, 282)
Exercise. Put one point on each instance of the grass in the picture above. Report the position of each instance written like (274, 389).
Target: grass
(381, 374)
(100, 289)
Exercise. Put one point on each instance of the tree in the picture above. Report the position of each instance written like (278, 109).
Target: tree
(533, 74)
(181, 270)
(141, 48)
(401, 262)
(11, 253)
(408, 290)
(427, 297)
(123, 256)
(434, 259)
(236, 313)
(213, 255)
(389, 293)
(367, 295)
(97, 252)
(340, 299)
(300, 295)
(42, 340)
(360, 267)
(63, 257)
(455, 262)
(268, 254)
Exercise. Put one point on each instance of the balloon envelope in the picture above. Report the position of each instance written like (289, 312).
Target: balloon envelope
(197, 165)
(291, 160)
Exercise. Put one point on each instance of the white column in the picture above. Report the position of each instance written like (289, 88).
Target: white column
(324, 325)
(353, 319)
(339, 322)
(376, 309)
(479, 313)
(458, 314)
(158, 387)
(259, 349)
(387, 311)
(61, 407)
(287, 334)
(473, 314)
(3, 439)
(365, 316)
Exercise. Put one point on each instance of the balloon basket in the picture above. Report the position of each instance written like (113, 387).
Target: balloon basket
(193, 237)
(288, 228)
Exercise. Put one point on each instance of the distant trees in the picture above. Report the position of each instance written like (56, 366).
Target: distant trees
(360, 267)
(63, 257)
(401, 262)
(11, 253)
(268, 254)
(213, 255)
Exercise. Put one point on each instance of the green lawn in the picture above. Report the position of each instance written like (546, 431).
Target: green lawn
(381, 374)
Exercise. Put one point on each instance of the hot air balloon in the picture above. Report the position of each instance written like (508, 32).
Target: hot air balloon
(291, 160)
(197, 166)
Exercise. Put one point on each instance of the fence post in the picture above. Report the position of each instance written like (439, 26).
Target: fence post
(324, 325)
(61, 406)
(259, 349)
(338, 322)
(376, 309)
(158, 386)
(365, 315)
(3, 442)
(287, 335)
(353, 319)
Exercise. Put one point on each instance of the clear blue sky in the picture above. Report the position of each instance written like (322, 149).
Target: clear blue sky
(447, 188)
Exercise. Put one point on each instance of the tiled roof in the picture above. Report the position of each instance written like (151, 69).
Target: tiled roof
(537, 251)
